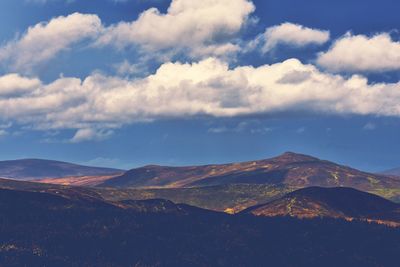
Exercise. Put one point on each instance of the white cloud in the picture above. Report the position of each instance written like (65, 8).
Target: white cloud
(45, 40)
(362, 53)
(291, 34)
(12, 84)
(208, 87)
(199, 27)
(88, 134)
(190, 28)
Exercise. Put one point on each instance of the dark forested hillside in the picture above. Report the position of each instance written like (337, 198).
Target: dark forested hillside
(39, 229)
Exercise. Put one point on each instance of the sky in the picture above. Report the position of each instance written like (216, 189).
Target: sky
(126, 83)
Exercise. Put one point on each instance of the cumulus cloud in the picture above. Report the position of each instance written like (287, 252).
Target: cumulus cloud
(199, 27)
(12, 84)
(45, 40)
(362, 53)
(190, 28)
(291, 34)
(208, 87)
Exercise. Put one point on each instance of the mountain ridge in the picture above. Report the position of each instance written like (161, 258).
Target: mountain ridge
(394, 172)
(36, 169)
(291, 169)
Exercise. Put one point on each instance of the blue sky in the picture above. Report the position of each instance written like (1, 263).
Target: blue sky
(130, 83)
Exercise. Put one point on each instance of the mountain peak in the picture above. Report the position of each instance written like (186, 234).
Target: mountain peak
(151, 166)
(295, 157)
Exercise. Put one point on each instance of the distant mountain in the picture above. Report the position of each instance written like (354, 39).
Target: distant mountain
(290, 169)
(42, 229)
(394, 172)
(345, 203)
(35, 169)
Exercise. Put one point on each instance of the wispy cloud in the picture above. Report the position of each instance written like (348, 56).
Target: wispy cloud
(252, 127)
(369, 126)
(88, 134)
(301, 130)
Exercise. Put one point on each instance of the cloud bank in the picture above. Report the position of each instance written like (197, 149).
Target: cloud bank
(208, 87)
(195, 28)
(207, 32)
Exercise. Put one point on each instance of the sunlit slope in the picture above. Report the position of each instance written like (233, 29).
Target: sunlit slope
(344, 203)
(289, 169)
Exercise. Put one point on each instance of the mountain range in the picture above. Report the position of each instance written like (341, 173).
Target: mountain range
(291, 210)
(290, 169)
(227, 187)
